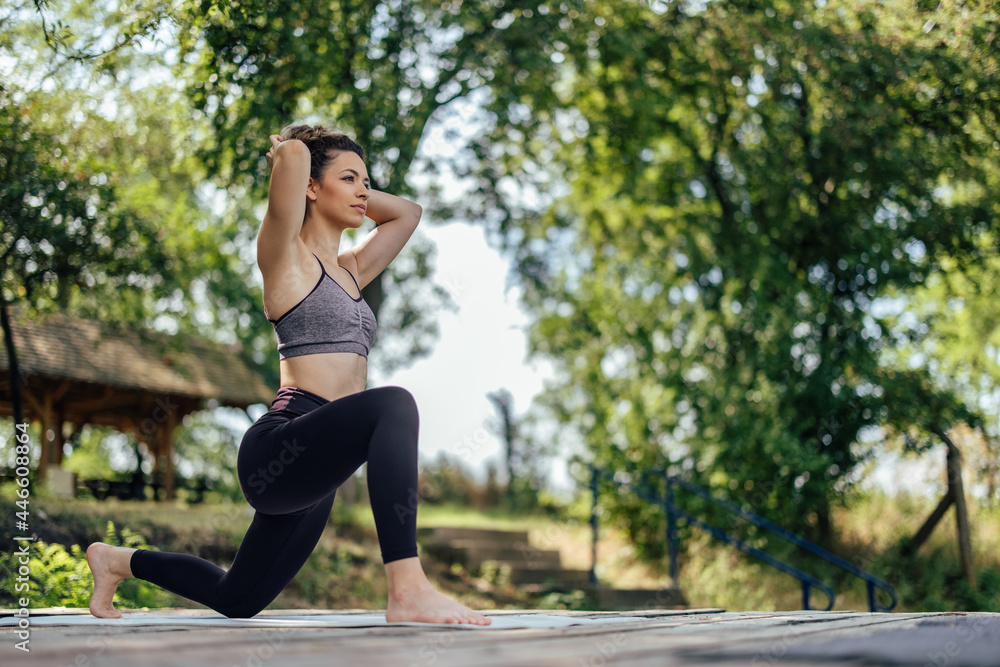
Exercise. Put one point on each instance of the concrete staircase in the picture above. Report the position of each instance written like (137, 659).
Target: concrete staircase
(532, 569)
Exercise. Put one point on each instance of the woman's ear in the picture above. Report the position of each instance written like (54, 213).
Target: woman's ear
(311, 189)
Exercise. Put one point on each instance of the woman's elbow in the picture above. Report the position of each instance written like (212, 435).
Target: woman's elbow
(292, 147)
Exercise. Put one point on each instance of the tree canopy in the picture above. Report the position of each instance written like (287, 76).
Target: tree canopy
(756, 236)
(747, 189)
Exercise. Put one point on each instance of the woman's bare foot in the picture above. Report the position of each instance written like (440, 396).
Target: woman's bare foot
(412, 598)
(109, 565)
(429, 606)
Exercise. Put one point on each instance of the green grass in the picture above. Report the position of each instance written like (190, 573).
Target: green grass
(714, 574)
(345, 570)
(871, 528)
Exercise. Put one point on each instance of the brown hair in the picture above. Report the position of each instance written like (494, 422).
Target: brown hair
(323, 145)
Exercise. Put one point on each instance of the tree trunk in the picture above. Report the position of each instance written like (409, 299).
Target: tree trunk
(15, 373)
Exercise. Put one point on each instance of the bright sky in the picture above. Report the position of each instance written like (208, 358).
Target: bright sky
(482, 348)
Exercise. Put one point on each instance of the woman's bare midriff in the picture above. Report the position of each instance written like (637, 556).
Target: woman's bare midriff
(331, 375)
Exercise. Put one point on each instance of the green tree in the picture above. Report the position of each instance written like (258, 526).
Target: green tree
(93, 181)
(949, 328)
(182, 157)
(524, 452)
(190, 102)
(103, 212)
(383, 72)
(734, 186)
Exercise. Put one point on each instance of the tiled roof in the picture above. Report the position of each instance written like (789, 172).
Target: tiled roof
(61, 346)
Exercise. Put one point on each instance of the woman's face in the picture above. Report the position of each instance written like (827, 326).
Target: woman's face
(342, 194)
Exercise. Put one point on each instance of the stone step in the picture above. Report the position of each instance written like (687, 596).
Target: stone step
(534, 570)
(614, 599)
(553, 575)
(464, 543)
(444, 533)
(473, 555)
(526, 552)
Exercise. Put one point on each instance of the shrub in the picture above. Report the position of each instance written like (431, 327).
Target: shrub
(57, 578)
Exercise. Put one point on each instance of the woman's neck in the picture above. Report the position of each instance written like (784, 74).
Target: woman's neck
(322, 239)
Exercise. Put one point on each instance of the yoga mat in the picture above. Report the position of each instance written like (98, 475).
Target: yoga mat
(500, 621)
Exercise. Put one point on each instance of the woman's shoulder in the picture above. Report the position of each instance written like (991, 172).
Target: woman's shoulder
(349, 261)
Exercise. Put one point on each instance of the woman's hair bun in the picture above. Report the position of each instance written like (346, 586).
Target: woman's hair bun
(324, 145)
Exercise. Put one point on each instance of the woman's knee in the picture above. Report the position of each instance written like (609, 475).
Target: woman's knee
(244, 610)
(399, 400)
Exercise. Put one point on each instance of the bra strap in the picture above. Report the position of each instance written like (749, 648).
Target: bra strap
(352, 278)
(323, 269)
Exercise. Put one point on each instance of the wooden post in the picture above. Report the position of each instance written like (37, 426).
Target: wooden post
(51, 454)
(957, 491)
(165, 458)
(47, 455)
(60, 441)
(168, 451)
(929, 525)
(150, 438)
(961, 514)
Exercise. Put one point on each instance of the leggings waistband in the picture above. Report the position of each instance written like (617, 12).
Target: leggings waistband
(297, 400)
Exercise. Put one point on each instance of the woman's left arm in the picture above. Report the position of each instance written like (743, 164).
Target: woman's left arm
(395, 219)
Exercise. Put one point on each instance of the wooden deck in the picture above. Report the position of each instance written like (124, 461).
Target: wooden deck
(641, 637)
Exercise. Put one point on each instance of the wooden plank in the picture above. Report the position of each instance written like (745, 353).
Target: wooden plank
(665, 638)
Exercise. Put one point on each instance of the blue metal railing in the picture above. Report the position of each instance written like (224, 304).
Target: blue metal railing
(673, 513)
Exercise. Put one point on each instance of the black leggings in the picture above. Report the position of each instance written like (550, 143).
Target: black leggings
(290, 463)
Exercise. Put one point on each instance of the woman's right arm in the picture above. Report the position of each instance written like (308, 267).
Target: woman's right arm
(286, 201)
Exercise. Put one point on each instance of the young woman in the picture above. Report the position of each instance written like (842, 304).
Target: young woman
(323, 424)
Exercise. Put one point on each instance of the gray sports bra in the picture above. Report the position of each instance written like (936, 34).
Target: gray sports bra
(328, 319)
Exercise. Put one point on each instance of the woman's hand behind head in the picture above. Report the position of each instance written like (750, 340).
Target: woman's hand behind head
(275, 140)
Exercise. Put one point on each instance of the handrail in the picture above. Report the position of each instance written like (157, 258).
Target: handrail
(673, 512)
(870, 579)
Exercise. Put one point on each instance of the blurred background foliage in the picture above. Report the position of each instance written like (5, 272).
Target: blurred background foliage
(749, 203)
(758, 238)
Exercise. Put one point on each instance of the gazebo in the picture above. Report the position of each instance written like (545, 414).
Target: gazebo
(135, 380)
